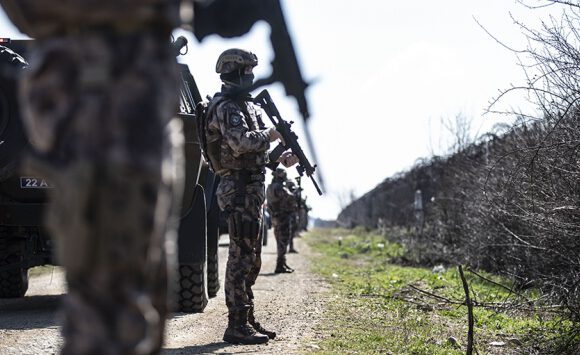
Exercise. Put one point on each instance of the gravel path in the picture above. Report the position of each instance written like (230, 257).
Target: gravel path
(289, 304)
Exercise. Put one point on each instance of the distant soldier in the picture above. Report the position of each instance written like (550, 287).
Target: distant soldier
(237, 145)
(294, 216)
(418, 211)
(303, 207)
(98, 101)
(303, 214)
(282, 206)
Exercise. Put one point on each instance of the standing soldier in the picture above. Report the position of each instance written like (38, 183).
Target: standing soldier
(303, 213)
(294, 216)
(418, 211)
(237, 146)
(303, 208)
(98, 97)
(282, 205)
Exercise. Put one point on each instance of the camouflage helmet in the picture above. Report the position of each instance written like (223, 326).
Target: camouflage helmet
(279, 174)
(233, 59)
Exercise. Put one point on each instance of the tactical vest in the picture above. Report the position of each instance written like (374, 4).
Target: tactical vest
(220, 155)
(279, 203)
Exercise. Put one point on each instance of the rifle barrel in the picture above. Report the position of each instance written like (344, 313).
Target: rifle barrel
(264, 100)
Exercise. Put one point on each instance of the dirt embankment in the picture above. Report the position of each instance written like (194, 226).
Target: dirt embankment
(290, 304)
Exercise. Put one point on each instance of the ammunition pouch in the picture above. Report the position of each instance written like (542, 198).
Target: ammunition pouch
(249, 176)
(252, 161)
(243, 178)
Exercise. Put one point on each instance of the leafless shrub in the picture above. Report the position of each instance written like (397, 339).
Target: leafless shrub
(508, 203)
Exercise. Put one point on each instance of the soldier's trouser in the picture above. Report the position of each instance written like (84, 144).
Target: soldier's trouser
(293, 230)
(244, 259)
(282, 233)
(98, 114)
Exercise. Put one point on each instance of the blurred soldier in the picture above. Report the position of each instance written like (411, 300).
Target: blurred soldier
(303, 207)
(303, 214)
(294, 216)
(237, 145)
(282, 205)
(98, 100)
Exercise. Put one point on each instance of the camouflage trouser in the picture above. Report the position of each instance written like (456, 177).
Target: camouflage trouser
(302, 219)
(294, 228)
(244, 225)
(98, 112)
(282, 230)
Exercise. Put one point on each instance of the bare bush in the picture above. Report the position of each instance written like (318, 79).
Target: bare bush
(508, 203)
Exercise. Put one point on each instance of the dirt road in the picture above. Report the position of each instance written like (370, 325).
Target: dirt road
(290, 304)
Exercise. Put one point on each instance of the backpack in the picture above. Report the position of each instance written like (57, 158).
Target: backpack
(204, 111)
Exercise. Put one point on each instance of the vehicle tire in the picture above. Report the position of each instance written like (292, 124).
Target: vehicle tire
(213, 277)
(13, 282)
(192, 256)
(192, 294)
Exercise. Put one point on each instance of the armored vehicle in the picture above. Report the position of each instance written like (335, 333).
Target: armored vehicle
(24, 243)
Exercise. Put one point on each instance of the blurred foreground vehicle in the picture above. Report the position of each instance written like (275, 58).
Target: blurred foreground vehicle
(24, 243)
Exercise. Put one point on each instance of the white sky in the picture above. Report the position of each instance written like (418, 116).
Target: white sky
(386, 73)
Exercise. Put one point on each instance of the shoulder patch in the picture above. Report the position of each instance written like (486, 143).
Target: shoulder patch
(234, 119)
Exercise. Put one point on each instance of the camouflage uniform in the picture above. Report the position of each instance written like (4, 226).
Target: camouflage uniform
(98, 98)
(294, 231)
(294, 216)
(303, 215)
(282, 205)
(236, 126)
(243, 204)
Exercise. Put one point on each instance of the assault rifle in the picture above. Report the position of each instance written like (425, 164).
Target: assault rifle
(264, 100)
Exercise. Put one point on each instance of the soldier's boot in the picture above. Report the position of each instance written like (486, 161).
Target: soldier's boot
(240, 332)
(282, 268)
(257, 326)
(288, 267)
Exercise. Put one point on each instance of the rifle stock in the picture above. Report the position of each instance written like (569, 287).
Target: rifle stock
(264, 100)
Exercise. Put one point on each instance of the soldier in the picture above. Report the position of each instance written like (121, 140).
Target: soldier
(418, 211)
(303, 207)
(237, 146)
(98, 97)
(294, 217)
(282, 205)
(303, 213)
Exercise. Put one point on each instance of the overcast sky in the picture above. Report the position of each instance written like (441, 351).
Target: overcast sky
(386, 73)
